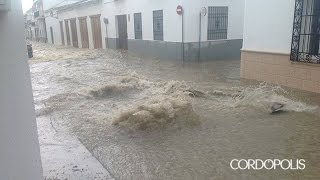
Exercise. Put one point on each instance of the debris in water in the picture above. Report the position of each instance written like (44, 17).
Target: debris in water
(195, 93)
(276, 107)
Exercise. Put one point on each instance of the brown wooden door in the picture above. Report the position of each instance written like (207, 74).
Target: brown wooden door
(62, 33)
(84, 32)
(74, 34)
(122, 30)
(67, 32)
(96, 31)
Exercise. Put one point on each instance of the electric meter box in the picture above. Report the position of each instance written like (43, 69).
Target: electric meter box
(5, 5)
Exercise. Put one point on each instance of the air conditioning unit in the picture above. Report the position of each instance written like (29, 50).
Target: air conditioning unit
(5, 5)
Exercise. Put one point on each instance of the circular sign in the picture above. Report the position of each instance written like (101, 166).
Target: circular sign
(204, 11)
(179, 10)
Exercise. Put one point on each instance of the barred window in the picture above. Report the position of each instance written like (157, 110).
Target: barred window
(158, 25)
(306, 32)
(217, 23)
(137, 26)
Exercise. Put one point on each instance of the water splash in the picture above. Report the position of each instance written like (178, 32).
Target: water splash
(264, 96)
(158, 112)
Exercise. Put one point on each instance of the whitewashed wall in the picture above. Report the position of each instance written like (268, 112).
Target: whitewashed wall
(192, 11)
(171, 21)
(86, 10)
(47, 4)
(54, 23)
(268, 25)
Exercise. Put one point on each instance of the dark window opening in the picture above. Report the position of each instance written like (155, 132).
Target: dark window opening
(137, 26)
(36, 14)
(158, 25)
(217, 23)
(306, 32)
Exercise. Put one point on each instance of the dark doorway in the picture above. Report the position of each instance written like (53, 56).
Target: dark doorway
(96, 31)
(122, 31)
(84, 32)
(74, 34)
(62, 33)
(67, 31)
(51, 32)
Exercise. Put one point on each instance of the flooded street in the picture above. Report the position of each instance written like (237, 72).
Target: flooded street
(156, 119)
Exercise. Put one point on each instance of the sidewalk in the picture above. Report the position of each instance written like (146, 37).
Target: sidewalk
(64, 157)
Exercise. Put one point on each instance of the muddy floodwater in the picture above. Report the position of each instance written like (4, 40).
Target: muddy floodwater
(159, 119)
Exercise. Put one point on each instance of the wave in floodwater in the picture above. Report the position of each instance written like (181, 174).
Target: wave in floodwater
(157, 105)
(158, 112)
(262, 97)
(112, 91)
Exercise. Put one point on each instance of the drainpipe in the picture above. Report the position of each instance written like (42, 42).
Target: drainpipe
(182, 35)
(106, 21)
(45, 30)
(199, 50)
(203, 12)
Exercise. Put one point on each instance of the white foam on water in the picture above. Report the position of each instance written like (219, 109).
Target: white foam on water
(48, 52)
(161, 104)
(158, 112)
(264, 95)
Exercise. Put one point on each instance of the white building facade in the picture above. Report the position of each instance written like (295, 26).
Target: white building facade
(153, 28)
(281, 43)
(71, 25)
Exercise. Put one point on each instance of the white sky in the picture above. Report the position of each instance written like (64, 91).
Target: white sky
(26, 5)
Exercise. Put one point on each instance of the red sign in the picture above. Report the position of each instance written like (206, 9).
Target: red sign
(179, 10)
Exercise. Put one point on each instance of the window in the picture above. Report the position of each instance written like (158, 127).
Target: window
(137, 26)
(217, 23)
(36, 14)
(158, 25)
(306, 32)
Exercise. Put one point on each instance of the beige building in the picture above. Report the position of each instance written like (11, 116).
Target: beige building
(281, 43)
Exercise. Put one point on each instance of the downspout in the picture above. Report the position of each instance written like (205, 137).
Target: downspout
(199, 50)
(182, 34)
(45, 30)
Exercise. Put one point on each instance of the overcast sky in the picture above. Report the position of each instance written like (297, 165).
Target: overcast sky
(26, 5)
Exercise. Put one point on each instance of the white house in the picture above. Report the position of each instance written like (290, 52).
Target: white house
(30, 25)
(152, 28)
(155, 29)
(35, 18)
(281, 43)
(76, 24)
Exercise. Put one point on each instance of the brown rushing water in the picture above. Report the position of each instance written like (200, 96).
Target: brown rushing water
(175, 136)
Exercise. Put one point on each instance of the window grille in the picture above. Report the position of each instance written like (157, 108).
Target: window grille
(217, 23)
(137, 26)
(158, 25)
(306, 32)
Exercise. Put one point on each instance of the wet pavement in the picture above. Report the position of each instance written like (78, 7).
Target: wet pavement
(156, 119)
(64, 157)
